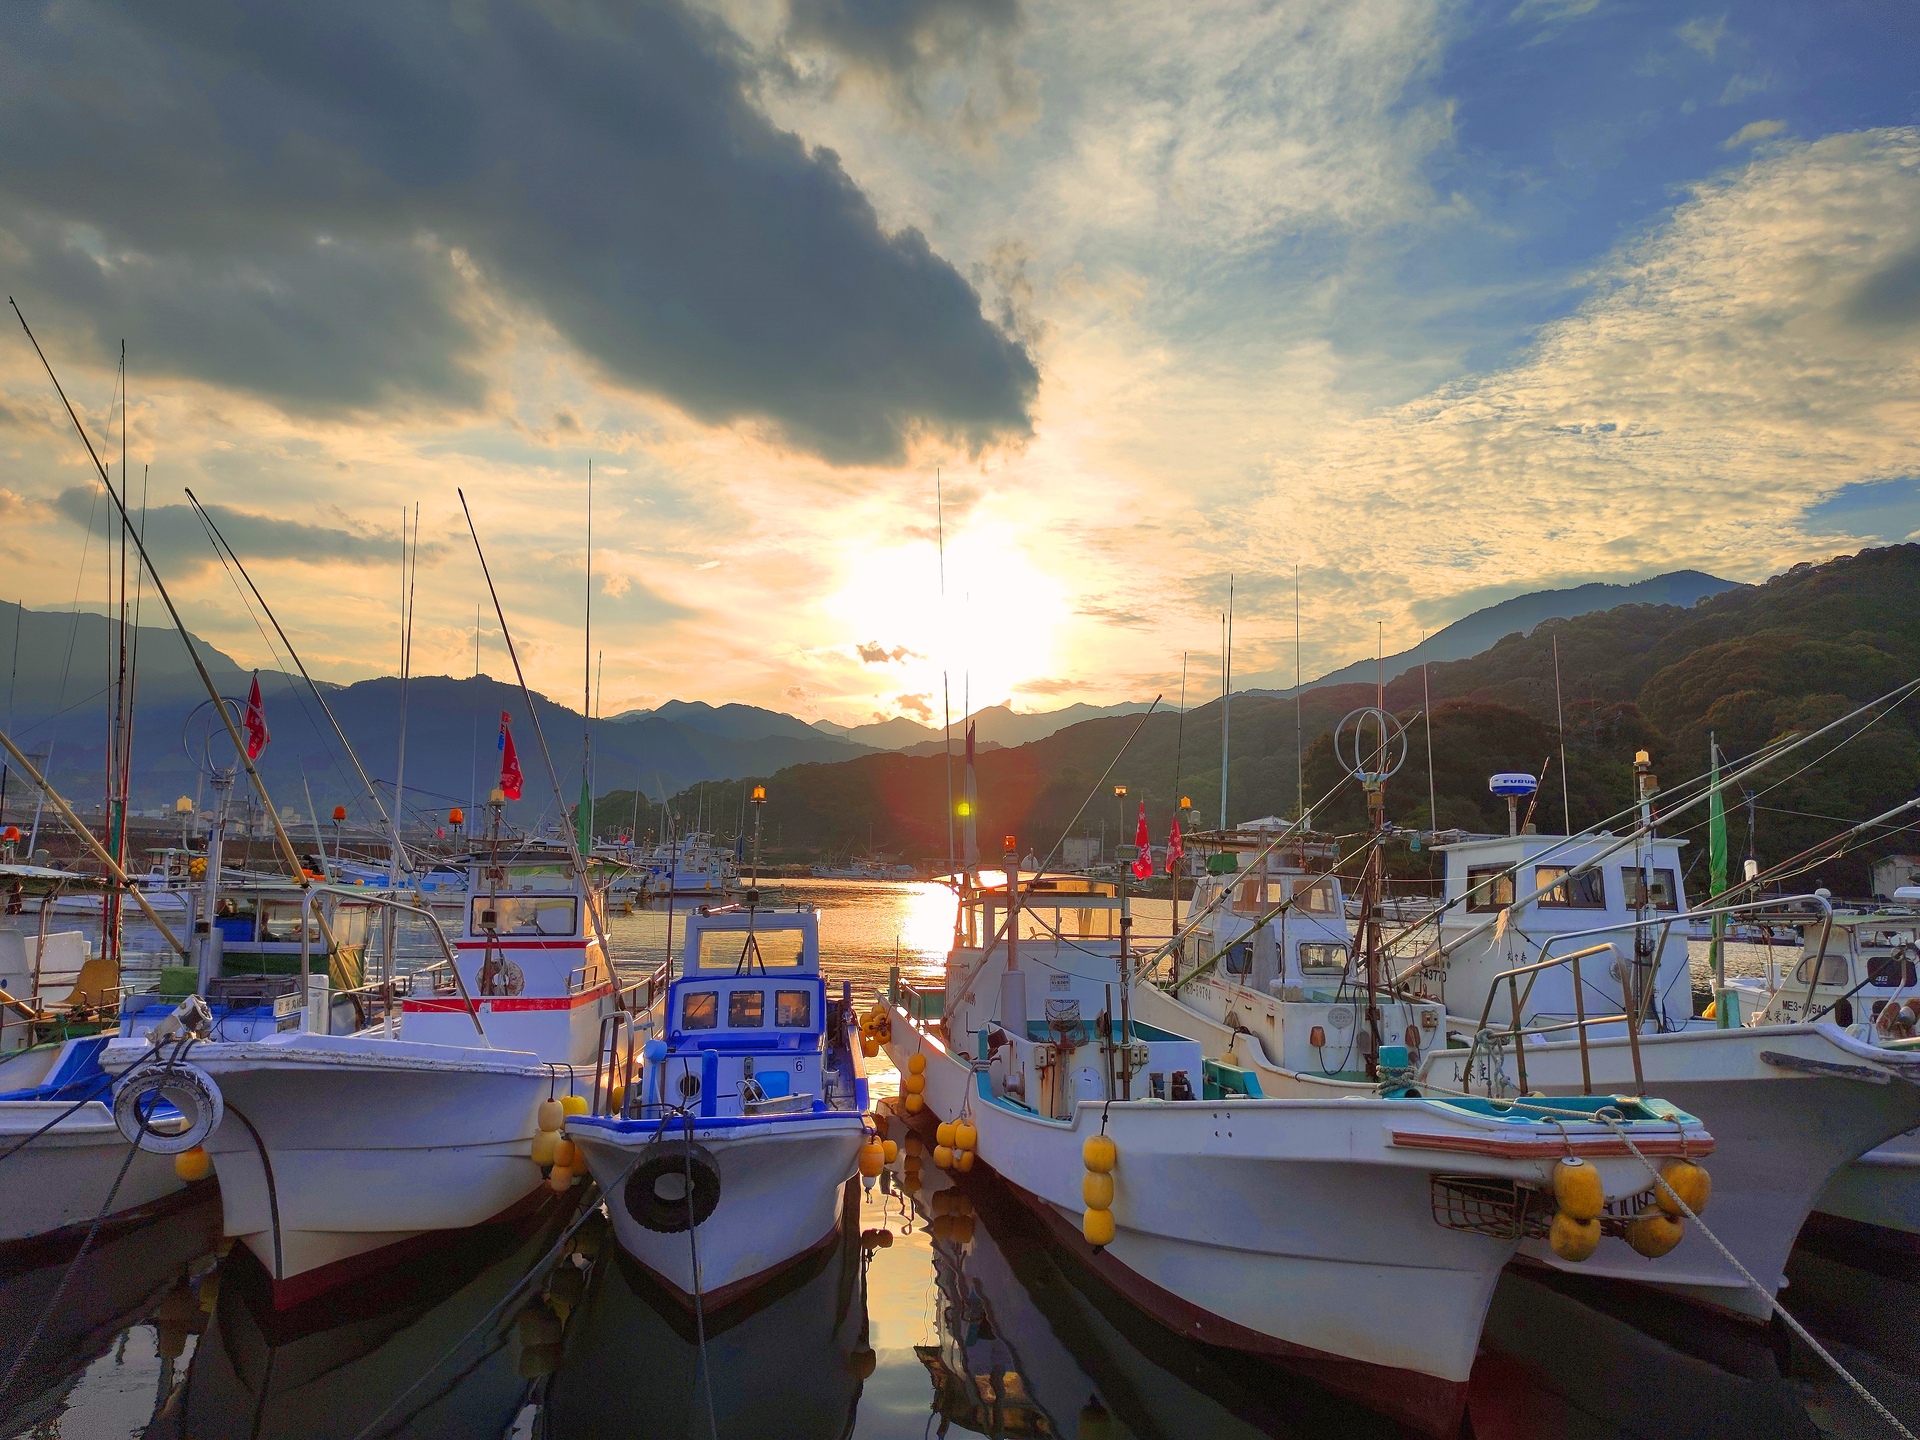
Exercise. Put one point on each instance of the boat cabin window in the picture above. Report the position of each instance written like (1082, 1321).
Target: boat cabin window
(1489, 887)
(1315, 898)
(526, 915)
(1665, 892)
(1833, 971)
(350, 925)
(1255, 894)
(747, 950)
(747, 1009)
(1322, 958)
(1584, 891)
(793, 1009)
(1886, 939)
(700, 1010)
(1239, 958)
(1887, 972)
(280, 924)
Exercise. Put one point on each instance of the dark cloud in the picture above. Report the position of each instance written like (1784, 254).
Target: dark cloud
(1890, 297)
(316, 203)
(178, 543)
(902, 45)
(874, 653)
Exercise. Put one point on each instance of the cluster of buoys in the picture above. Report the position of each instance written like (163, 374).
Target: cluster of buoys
(1580, 1203)
(952, 1216)
(913, 1085)
(876, 1029)
(193, 1165)
(954, 1143)
(1099, 1155)
(551, 1150)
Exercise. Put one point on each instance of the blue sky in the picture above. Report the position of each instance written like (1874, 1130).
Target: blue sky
(1433, 301)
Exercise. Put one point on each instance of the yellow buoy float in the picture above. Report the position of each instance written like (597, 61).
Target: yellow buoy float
(943, 1133)
(573, 1104)
(965, 1137)
(546, 1146)
(943, 1156)
(1686, 1179)
(193, 1165)
(551, 1116)
(917, 1063)
(1099, 1154)
(1573, 1239)
(872, 1158)
(1577, 1190)
(889, 1151)
(1654, 1233)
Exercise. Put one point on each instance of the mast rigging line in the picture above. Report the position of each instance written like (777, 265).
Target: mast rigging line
(373, 793)
(233, 731)
(533, 713)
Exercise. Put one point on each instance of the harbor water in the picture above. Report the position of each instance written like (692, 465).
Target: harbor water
(944, 1309)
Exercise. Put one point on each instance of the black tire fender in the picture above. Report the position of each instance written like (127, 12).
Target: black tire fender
(681, 1209)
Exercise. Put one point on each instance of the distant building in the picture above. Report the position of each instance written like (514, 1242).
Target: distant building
(1893, 872)
(1080, 852)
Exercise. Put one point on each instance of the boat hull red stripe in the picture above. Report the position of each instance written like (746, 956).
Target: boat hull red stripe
(1516, 1147)
(508, 1004)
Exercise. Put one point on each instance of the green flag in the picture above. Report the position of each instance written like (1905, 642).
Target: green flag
(1717, 832)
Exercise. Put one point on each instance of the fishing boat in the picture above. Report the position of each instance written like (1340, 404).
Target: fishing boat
(688, 865)
(1341, 1234)
(1562, 964)
(335, 1150)
(1268, 981)
(752, 1112)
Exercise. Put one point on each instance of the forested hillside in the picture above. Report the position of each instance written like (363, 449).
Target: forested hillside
(1746, 666)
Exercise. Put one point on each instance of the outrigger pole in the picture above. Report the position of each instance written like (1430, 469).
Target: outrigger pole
(65, 811)
(285, 842)
(373, 794)
(513, 654)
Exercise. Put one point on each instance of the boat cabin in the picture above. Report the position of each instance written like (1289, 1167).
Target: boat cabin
(529, 958)
(1045, 1015)
(749, 1027)
(1868, 973)
(1513, 900)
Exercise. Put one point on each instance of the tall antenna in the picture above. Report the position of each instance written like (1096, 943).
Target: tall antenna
(1226, 696)
(583, 815)
(1426, 704)
(946, 703)
(1299, 729)
(396, 862)
(1560, 724)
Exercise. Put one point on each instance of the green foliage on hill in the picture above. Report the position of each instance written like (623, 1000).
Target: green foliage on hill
(1745, 666)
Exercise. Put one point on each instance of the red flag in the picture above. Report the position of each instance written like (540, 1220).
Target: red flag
(509, 759)
(1176, 851)
(256, 721)
(1143, 862)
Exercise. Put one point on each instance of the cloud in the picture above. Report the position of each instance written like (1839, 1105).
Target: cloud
(874, 653)
(1704, 35)
(351, 205)
(1890, 297)
(920, 706)
(1752, 133)
(178, 543)
(905, 48)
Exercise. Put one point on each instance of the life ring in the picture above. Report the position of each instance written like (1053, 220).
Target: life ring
(191, 1093)
(656, 1192)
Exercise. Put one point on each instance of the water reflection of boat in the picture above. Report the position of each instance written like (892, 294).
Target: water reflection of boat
(122, 1279)
(1565, 1355)
(334, 1366)
(1032, 1343)
(784, 1360)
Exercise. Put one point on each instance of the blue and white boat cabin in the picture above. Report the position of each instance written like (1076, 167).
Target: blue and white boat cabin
(1513, 900)
(748, 1026)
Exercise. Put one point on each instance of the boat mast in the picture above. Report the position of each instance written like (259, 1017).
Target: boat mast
(1226, 695)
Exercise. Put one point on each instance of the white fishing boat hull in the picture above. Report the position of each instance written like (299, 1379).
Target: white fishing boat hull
(1881, 1188)
(1301, 1229)
(1783, 1128)
(335, 1147)
(781, 1184)
(61, 1181)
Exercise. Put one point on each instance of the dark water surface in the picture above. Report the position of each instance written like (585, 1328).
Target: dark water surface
(966, 1318)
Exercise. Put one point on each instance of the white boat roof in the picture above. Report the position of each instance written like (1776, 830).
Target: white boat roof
(1534, 844)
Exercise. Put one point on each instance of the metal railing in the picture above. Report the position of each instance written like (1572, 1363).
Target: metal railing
(387, 981)
(1634, 1004)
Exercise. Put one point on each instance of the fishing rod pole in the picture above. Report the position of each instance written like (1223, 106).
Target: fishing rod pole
(233, 731)
(553, 775)
(373, 793)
